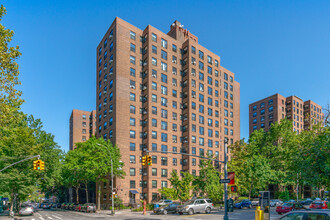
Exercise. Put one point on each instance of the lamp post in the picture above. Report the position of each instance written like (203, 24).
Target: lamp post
(112, 200)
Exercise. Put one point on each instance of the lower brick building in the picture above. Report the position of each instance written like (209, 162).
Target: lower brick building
(272, 109)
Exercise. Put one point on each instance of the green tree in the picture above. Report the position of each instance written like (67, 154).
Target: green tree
(208, 181)
(90, 161)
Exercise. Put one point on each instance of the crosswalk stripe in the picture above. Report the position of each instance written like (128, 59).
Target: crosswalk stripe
(49, 217)
(56, 217)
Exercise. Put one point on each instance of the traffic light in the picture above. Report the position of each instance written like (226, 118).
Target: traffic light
(36, 164)
(233, 188)
(144, 160)
(42, 165)
(149, 160)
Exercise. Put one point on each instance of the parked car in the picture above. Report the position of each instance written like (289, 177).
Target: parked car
(78, 207)
(306, 202)
(196, 205)
(318, 205)
(28, 210)
(88, 207)
(53, 205)
(46, 206)
(41, 205)
(243, 203)
(72, 206)
(288, 207)
(171, 208)
(255, 202)
(275, 202)
(322, 215)
(58, 205)
(164, 202)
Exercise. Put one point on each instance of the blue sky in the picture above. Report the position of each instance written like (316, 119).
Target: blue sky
(271, 46)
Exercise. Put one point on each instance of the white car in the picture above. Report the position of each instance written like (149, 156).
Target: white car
(275, 202)
(255, 202)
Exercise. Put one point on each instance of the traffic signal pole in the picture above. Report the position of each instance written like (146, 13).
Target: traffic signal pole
(225, 217)
(38, 156)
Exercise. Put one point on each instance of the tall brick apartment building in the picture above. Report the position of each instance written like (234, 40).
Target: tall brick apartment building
(162, 92)
(272, 109)
(82, 126)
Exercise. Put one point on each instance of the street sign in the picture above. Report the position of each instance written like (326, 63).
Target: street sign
(224, 181)
(231, 176)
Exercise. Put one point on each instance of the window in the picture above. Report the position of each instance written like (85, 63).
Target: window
(163, 54)
(132, 184)
(163, 90)
(262, 105)
(154, 122)
(164, 137)
(201, 65)
(225, 85)
(201, 55)
(262, 111)
(254, 107)
(154, 134)
(164, 43)
(270, 109)
(164, 78)
(201, 76)
(164, 172)
(131, 97)
(164, 66)
(164, 184)
(164, 113)
(132, 109)
(132, 159)
(132, 146)
(132, 171)
(164, 161)
(174, 48)
(132, 47)
(154, 98)
(175, 161)
(133, 35)
(225, 76)
(154, 37)
(132, 121)
(132, 59)
(164, 125)
(154, 49)
(154, 61)
(132, 134)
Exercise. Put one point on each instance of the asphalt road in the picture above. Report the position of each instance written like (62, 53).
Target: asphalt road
(244, 214)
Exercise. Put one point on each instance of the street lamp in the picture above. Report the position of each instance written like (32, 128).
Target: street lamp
(112, 200)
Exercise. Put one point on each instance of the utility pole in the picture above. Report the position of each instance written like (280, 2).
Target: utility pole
(225, 217)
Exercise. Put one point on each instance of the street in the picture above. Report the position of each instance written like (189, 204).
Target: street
(244, 214)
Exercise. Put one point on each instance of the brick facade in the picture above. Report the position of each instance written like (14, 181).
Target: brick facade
(82, 126)
(276, 107)
(165, 92)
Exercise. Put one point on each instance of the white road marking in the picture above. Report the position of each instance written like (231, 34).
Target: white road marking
(56, 217)
(49, 217)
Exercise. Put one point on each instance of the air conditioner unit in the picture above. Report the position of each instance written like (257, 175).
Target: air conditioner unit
(144, 87)
(111, 36)
(110, 110)
(104, 92)
(201, 89)
(174, 84)
(193, 85)
(132, 86)
(193, 62)
(194, 96)
(174, 73)
(174, 61)
(174, 129)
(154, 75)
(174, 141)
(105, 68)
(104, 116)
(174, 118)
(145, 63)
(104, 103)
(193, 74)
(110, 73)
(105, 80)
(144, 174)
(110, 61)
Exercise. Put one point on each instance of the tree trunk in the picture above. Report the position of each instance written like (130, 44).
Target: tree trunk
(77, 193)
(12, 201)
(86, 190)
(99, 197)
(250, 191)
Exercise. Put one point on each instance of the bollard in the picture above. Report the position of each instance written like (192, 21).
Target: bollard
(256, 215)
